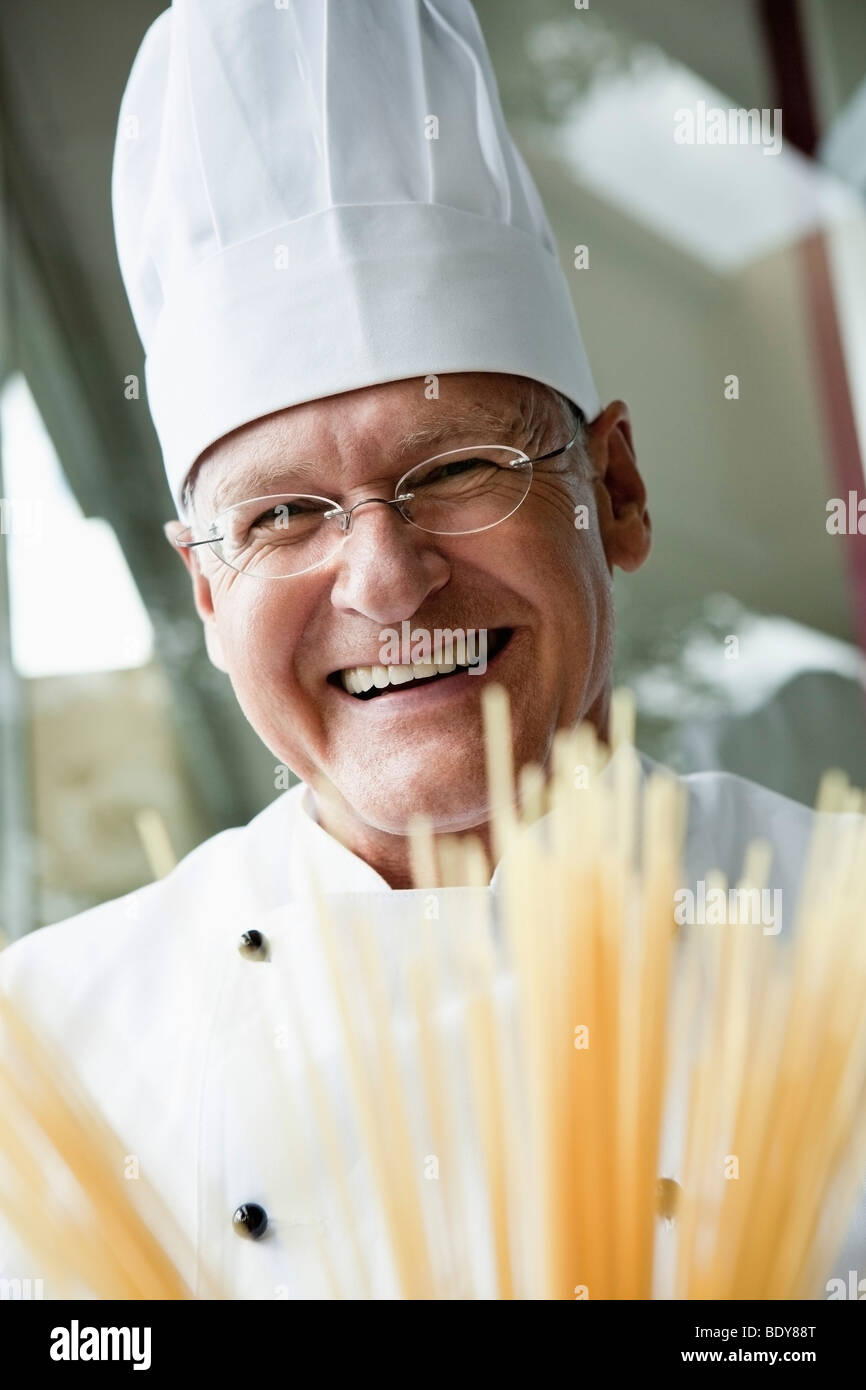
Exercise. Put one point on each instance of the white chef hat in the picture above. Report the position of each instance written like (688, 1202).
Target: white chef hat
(312, 196)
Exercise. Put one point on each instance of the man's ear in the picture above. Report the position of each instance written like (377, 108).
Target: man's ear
(201, 592)
(624, 522)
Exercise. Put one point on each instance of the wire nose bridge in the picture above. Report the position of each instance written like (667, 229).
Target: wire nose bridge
(345, 515)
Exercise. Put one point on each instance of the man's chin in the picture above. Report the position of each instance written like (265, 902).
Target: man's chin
(452, 802)
(443, 778)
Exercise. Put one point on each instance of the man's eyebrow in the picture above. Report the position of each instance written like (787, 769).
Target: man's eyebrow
(489, 426)
(256, 479)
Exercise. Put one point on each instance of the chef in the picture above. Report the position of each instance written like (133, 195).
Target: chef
(374, 406)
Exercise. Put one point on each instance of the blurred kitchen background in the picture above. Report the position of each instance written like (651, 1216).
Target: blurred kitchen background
(704, 262)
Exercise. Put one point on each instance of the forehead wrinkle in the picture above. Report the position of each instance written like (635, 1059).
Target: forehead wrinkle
(253, 479)
(489, 425)
(270, 471)
(542, 415)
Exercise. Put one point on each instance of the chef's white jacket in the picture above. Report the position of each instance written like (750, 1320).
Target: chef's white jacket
(160, 1014)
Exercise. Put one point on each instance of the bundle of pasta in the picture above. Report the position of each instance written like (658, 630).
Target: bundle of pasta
(541, 1087)
(555, 1092)
(63, 1191)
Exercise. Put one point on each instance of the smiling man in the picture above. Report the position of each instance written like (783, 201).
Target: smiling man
(375, 408)
(295, 607)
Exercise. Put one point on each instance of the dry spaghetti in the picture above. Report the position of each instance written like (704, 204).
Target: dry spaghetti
(544, 1090)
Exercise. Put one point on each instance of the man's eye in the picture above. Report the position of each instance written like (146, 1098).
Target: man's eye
(283, 513)
(456, 468)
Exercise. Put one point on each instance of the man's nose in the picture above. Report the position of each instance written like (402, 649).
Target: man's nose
(386, 567)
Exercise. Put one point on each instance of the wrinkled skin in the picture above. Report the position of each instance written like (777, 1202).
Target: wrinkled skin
(373, 763)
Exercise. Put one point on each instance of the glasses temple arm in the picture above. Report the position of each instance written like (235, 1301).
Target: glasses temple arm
(555, 452)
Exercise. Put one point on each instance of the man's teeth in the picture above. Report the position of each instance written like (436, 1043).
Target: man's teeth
(359, 679)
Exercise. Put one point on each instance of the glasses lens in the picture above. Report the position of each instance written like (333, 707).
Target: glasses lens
(275, 537)
(466, 489)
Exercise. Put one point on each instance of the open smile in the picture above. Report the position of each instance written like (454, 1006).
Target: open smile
(371, 682)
